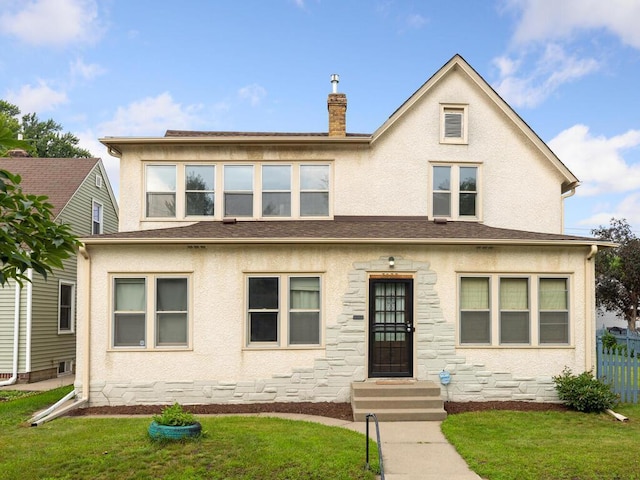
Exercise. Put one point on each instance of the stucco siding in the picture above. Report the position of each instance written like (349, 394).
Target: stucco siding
(219, 366)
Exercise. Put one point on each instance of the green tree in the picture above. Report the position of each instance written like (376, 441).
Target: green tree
(44, 139)
(618, 271)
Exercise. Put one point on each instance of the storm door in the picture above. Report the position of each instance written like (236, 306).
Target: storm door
(391, 327)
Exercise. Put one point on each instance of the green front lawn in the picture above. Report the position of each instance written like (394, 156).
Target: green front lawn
(505, 445)
(233, 447)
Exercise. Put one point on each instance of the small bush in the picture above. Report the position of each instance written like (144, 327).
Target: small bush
(174, 416)
(583, 392)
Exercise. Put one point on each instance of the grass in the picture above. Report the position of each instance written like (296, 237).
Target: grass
(504, 445)
(232, 447)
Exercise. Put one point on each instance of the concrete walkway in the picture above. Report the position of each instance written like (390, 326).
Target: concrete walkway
(410, 450)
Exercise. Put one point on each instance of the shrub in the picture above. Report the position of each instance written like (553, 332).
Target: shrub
(583, 392)
(174, 415)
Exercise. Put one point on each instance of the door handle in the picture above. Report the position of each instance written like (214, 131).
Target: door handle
(410, 328)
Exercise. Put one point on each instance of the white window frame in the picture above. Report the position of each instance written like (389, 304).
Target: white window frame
(283, 312)
(151, 313)
(296, 191)
(99, 181)
(447, 109)
(100, 222)
(534, 310)
(72, 307)
(455, 192)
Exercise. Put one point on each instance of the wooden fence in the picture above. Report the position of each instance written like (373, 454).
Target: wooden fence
(620, 368)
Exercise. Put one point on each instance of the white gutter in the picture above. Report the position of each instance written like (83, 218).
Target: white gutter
(16, 338)
(569, 194)
(590, 308)
(27, 367)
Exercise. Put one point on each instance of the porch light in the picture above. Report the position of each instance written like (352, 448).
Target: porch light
(392, 262)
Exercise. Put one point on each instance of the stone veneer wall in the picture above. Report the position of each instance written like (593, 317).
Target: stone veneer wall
(329, 380)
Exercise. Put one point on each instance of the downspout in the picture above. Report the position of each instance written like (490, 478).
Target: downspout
(27, 367)
(55, 411)
(589, 305)
(16, 338)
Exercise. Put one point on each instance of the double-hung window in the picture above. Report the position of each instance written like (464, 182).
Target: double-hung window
(514, 322)
(283, 310)
(554, 310)
(66, 306)
(96, 218)
(238, 190)
(276, 190)
(151, 311)
(455, 191)
(161, 191)
(199, 186)
(314, 190)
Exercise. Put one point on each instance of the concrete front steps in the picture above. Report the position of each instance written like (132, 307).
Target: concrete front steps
(397, 400)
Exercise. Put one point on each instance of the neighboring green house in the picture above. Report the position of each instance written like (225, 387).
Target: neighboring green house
(44, 311)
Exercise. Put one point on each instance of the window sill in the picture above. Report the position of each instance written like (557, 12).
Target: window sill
(281, 348)
(146, 349)
(516, 347)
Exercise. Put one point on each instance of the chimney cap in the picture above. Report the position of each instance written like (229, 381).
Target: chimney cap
(335, 79)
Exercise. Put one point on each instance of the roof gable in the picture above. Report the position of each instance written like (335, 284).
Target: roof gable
(57, 178)
(457, 63)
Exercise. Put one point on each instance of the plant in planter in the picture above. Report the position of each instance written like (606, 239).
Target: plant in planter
(173, 423)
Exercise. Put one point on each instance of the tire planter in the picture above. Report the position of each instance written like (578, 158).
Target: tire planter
(174, 432)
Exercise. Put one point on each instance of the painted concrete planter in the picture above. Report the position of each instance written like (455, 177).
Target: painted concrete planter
(174, 432)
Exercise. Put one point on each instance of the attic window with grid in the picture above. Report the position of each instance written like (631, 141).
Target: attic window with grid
(453, 124)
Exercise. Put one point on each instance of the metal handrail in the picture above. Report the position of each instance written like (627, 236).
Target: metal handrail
(373, 415)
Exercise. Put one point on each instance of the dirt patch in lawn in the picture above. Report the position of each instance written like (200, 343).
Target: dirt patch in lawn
(340, 411)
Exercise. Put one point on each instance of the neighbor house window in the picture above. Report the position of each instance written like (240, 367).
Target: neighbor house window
(199, 190)
(238, 190)
(97, 218)
(512, 323)
(455, 191)
(453, 126)
(161, 190)
(314, 190)
(166, 297)
(276, 190)
(554, 310)
(283, 310)
(66, 306)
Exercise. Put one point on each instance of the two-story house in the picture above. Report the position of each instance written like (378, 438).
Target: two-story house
(38, 319)
(264, 267)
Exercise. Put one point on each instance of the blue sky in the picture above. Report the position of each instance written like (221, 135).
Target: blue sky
(570, 68)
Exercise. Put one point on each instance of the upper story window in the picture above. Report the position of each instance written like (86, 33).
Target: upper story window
(238, 190)
(276, 190)
(250, 191)
(161, 191)
(455, 192)
(453, 124)
(96, 218)
(531, 310)
(199, 186)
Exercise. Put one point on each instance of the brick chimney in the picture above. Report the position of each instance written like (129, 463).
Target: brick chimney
(337, 106)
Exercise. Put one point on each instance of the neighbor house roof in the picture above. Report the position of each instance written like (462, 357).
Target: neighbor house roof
(345, 229)
(57, 178)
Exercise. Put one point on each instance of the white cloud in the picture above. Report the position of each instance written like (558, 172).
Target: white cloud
(253, 93)
(544, 20)
(52, 22)
(40, 98)
(598, 161)
(416, 21)
(553, 69)
(151, 116)
(627, 208)
(86, 71)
